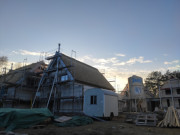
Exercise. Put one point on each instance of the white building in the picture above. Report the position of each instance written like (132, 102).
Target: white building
(100, 103)
(170, 94)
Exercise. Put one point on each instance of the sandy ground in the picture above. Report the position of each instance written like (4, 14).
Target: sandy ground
(114, 127)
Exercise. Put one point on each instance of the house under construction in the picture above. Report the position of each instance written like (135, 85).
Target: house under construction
(135, 97)
(64, 82)
(170, 94)
(18, 87)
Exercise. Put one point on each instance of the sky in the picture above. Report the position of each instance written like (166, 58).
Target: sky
(119, 37)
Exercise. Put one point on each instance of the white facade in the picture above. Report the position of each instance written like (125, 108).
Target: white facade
(100, 103)
(134, 95)
(170, 94)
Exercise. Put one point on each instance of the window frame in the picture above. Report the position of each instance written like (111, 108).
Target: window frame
(93, 100)
(168, 92)
(178, 91)
(168, 103)
(64, 78)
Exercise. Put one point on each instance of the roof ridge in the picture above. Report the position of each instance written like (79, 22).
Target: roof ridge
(25, 67)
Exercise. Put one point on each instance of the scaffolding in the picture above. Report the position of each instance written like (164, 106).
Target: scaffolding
(57, 75)
(9, 86)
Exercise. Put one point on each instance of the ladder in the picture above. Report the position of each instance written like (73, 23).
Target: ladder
(45, 75)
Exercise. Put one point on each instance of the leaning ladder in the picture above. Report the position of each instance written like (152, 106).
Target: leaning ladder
(54, 81)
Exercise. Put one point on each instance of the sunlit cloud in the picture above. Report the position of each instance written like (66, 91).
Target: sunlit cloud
(113, 68)
(133, 61)
(140, 60)
(114, 61)
(165, 54)
(13, 65)
(177, 67)
(98, 61)
(25, 52)
(120, 54)
(172, 62)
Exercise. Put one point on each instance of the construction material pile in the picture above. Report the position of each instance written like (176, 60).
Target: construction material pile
(171, 118)
(11, 118)
(146, 119)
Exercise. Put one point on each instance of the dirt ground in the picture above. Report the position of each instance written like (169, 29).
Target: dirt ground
(114, 127)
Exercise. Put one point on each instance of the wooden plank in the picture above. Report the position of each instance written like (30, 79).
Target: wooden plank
(177, 120)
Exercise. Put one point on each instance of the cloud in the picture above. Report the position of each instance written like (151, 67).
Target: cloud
(101, 61)
(140, 60)
(25, 52)
(133, 61)
(120, 54)
(120, 64)
(177, 67)
(172, 62)
(165, 54)
(14, 65)
(112, 67)
(113, 61)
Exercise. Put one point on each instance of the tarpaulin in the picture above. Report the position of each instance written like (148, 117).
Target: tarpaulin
(11, 118)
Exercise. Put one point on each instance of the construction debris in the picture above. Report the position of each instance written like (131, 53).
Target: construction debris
(171, 118)
(131, 117)
(10, 133)
(146, 119)
(62, 119)
(75, 121)
(38, 126)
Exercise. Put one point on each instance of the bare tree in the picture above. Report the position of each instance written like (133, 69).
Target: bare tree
(3, 61)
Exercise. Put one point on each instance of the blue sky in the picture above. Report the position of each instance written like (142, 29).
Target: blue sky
(124, 37)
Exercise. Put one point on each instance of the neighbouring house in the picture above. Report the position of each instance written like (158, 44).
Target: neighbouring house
(170, 94)
(63, 84)
(134, 95)
(17, 87)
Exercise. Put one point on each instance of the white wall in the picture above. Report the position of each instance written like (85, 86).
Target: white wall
(176, 102)
(110, 105)
(136, 87)
(107, 102)
(174, 93)
(93, 109)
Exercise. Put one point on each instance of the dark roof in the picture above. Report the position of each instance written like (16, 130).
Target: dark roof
(86, 74)
(14, 76)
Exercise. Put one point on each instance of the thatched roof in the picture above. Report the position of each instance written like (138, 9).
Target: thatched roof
(86, 74)
(15, 76)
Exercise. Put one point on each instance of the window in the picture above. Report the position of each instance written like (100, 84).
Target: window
(178, 91)
(179, 102)
(64, 78)
(168, 92)
(168, 102)
(137, 90)
(93, 100)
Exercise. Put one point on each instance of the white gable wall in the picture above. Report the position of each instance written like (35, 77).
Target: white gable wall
(94, 109)
(110, 105)
(107, 103)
